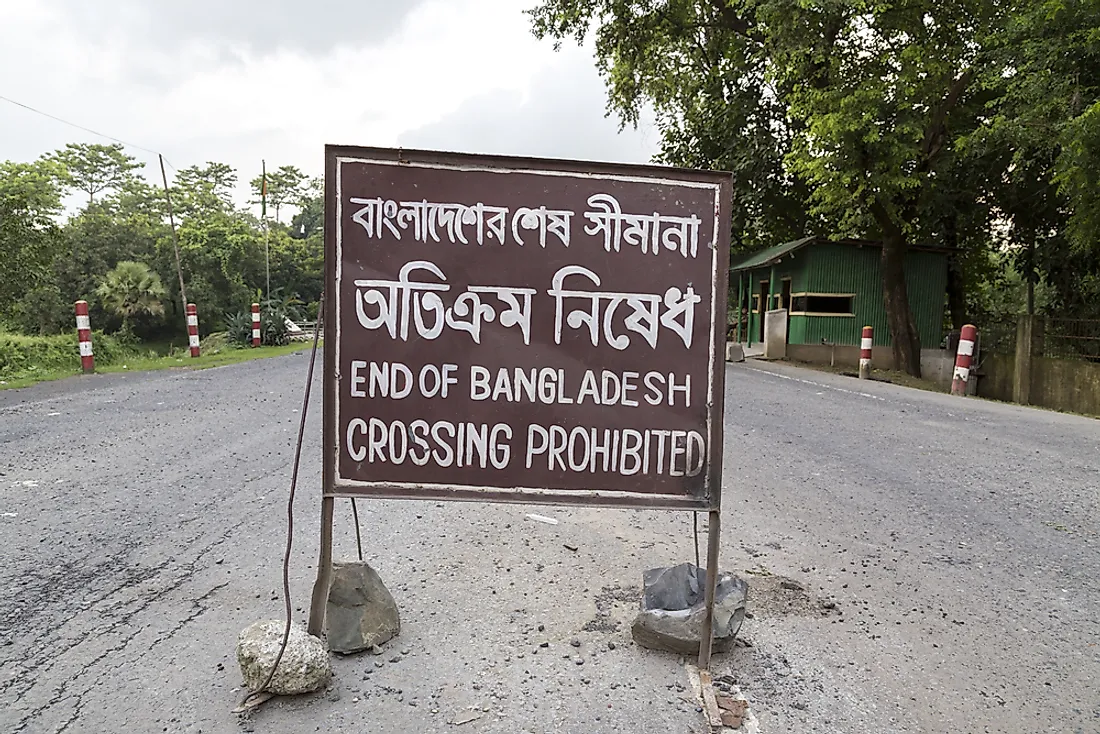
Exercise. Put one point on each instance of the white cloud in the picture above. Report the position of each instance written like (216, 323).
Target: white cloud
(459, 75)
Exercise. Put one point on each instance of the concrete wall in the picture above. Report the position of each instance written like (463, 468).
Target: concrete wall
(775, 334)
(1058, 384)
(1066, 384)
(997, 373)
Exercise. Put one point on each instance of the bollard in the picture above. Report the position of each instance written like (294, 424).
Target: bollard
(84, 334)
(865, 345)
(967, 337)
(193, 329)
(255, 324)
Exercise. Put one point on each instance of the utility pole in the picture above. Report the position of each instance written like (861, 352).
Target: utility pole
(175, 236)
(263, 215)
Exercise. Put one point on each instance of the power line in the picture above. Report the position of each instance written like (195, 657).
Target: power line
(87, 129)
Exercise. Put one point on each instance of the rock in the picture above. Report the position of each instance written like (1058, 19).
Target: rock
(304, 667)
(361, 613)
(673, 607)
(734, 352)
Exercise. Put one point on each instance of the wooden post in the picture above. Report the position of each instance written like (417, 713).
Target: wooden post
(175, 236)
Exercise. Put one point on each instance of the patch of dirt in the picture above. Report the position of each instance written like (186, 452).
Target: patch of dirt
(607, 600)
(782, 596)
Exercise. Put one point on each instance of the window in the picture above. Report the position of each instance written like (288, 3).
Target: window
(756, 303)
(823, 304)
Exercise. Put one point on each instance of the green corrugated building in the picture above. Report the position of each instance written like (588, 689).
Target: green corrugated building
(833, 288)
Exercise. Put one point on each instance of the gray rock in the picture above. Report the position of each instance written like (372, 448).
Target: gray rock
(361, 612)
(304, 667)
(734, 352)
(673, 607)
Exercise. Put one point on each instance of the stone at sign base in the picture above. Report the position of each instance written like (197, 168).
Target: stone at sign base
(304, 667)
(674, 604)
(361, 612)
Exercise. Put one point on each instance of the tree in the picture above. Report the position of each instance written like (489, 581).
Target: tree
(132, 290)
(200, 189)
(845, 109)
(311, 210)
(30, 199)
(1046, 126)
(94, 168)
(284, 186)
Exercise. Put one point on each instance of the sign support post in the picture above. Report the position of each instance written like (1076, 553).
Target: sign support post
(526, 331)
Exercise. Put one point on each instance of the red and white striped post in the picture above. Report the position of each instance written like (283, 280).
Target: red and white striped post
(963, 357)
(255, 324)
(84, 334)
(193, 329)
(866, 344)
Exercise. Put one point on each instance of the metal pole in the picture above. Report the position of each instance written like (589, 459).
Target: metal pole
(324, 570)
(714, 540)
(325, 320)
(175, 236)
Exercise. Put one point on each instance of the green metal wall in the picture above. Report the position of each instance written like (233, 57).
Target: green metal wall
(793, 267)
(838, 268)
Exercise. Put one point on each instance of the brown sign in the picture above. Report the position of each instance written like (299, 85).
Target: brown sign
(523, 330)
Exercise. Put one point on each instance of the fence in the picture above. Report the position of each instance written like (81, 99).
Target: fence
(1072, 339)
(1055, 363)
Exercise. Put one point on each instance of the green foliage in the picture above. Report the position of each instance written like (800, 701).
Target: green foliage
(30, 198)
(286, 185)
(238, 328)
(132, 291)
(30, 356)
(94, 168)
(274, 311)
(42, 310)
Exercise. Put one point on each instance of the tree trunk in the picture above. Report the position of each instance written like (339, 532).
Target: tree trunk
(903, 329)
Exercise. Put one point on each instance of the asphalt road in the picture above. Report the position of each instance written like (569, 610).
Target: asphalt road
(917, 563)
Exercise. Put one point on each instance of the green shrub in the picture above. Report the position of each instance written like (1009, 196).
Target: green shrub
(238, 328)
(29, 356)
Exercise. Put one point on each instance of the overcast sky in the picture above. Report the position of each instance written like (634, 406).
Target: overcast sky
(238, 81)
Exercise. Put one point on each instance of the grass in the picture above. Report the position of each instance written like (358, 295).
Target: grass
(212, 357)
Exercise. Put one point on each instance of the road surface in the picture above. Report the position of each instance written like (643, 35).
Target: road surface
(917, 563)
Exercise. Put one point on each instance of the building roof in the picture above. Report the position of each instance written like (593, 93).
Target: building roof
(774, 254)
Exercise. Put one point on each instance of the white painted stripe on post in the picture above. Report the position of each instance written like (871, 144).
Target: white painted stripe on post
(85, 349)
(255, 333)
(864, 362)
(255, 317)
(193, 340)
(966, 347)
(192, 320)
(82, 322)
(866, 343)
(962, 373)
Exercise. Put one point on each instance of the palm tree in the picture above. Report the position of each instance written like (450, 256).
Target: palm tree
(130, 290)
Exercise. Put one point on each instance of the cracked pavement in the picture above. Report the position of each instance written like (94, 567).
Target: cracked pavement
(917, 563)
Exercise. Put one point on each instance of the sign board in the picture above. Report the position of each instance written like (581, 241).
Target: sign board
(522, 330)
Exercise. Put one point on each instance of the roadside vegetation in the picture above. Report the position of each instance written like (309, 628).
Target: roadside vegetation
(117, 251)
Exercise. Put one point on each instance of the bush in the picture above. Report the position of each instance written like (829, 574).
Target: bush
(30, 356)
(238, 328)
